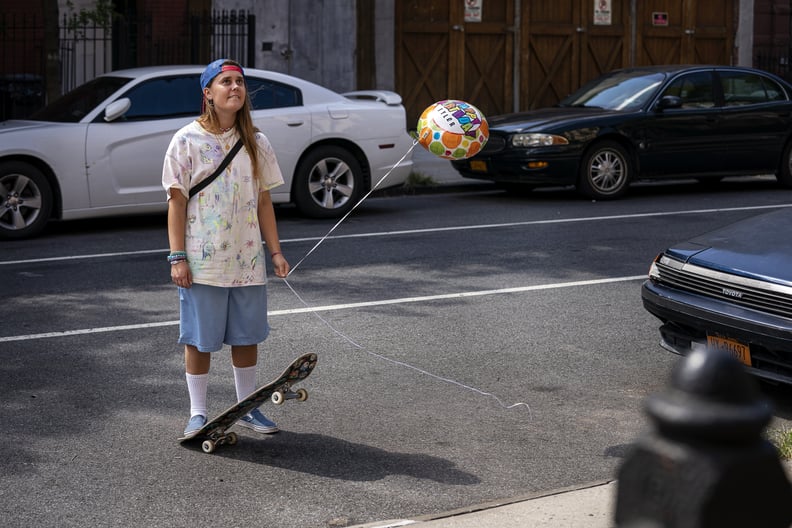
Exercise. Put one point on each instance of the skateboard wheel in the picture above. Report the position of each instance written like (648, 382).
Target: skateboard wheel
(232, 438)
(208, 446)
(277, 397)
(302, 395)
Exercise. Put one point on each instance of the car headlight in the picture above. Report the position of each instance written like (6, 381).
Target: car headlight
(654, 273)
(537, 140)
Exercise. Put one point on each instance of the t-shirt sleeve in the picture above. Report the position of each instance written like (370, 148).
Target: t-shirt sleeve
(177, 168)
(270, 170)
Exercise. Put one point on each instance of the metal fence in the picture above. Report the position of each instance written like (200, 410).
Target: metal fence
(775, 60)
(88, 48)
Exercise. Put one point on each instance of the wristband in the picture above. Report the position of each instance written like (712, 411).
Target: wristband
(177, 256)
(275, 253)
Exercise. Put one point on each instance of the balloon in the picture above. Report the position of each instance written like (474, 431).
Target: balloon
(452, 129)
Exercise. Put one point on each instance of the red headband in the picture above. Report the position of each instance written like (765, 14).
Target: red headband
(224, 67)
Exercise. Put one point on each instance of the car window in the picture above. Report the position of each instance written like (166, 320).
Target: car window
(695, 90)
(621, 90)
(78, 103)
(165, 97)
(265, 94)
(745, 88)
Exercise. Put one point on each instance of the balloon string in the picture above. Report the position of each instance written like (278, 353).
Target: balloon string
(360, 347)
(374, 188)
(407, 365)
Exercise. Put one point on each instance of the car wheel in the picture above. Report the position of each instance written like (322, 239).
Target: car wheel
(605, 171)
(25, 200)
(328, 183)
(784, 175)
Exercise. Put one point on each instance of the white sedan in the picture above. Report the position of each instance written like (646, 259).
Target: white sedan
(98, 150)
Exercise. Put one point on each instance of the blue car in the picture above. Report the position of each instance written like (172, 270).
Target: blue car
(730, 289)
(649, 123)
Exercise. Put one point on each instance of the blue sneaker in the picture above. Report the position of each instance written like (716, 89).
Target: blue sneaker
(194, 425)
(258, 422)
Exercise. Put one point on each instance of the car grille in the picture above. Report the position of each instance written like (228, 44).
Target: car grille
(749, 293)
(494, 144)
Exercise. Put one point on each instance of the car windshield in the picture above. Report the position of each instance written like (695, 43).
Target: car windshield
(622, 90)
(75, 105)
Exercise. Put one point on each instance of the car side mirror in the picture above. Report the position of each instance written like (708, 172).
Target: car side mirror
(116, 109)
(668, 101)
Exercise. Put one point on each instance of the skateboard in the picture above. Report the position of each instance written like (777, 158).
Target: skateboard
(213, 433)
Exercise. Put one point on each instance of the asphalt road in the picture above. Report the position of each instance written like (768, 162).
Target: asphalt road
(433, 315)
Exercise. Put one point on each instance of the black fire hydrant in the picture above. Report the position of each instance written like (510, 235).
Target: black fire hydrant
(706, 463)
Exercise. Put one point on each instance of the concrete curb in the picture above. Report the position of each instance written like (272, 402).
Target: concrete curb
(521, 510)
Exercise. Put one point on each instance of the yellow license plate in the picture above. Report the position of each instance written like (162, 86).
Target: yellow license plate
(478, 165)
(739, 350)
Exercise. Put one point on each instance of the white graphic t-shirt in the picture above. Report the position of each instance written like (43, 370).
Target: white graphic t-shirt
(223, 237)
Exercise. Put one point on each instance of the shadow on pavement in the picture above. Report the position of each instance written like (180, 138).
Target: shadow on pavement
(334, 458)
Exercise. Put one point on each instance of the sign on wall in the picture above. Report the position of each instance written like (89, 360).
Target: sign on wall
(659, 18)
(603, 14)
(473, 10)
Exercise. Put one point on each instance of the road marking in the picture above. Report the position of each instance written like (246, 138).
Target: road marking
(336, 307)
(425, 230)
(387, 301)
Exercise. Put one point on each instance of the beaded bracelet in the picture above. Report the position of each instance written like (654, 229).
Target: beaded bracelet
(177, 256)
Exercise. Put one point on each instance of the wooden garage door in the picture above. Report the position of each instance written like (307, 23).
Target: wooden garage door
(686, 32)
(562, 44)
(441, 56)
(563, 47)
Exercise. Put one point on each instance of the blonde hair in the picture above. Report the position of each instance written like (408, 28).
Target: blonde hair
(243, 125)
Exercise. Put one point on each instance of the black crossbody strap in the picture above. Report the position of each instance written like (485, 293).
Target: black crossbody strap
(231, 153)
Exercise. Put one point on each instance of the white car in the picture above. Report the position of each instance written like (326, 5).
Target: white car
(98, 150)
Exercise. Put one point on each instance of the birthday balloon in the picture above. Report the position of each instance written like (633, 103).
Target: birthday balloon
(452, 129)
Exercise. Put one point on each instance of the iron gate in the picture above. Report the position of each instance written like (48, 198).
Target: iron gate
(88, 48)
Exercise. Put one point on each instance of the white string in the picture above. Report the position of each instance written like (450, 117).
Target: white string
(374, 188)
(360, 347)
(407, 365)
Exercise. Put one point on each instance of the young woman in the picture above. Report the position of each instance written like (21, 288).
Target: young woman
(217, 259)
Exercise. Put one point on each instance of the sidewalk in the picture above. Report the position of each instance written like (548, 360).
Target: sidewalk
(439, 169)
(585, 506)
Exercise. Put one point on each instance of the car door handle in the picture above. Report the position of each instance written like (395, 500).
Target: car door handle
(295, 123)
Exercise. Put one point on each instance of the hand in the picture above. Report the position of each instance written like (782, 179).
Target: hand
(280, 266)
(181, 274)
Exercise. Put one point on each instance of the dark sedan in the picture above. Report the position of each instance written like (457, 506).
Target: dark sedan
(661, 122)
(730, 289)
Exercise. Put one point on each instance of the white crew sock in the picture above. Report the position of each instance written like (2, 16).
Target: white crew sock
(245, 381)
(197, 385)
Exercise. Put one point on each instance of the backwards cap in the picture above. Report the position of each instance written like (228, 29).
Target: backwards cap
(214, 69)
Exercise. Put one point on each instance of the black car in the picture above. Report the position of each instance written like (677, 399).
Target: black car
(730, 289)
(702, 122)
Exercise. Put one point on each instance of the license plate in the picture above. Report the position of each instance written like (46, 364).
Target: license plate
(739, 350)
(478, 166)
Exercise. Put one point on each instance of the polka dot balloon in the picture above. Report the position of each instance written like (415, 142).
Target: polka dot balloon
(452, 129)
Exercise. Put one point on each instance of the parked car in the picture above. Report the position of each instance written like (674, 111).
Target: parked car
(99, 149)
(661, 122)
(730, 289)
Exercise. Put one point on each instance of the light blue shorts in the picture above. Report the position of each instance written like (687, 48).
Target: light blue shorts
(211, 316)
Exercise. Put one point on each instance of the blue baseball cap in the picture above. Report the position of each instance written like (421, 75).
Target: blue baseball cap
(215, 68)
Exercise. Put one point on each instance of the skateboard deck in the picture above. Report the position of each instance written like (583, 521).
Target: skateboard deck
(213, 433)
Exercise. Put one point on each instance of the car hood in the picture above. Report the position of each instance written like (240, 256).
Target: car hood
(545, 118)
(758, 248)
